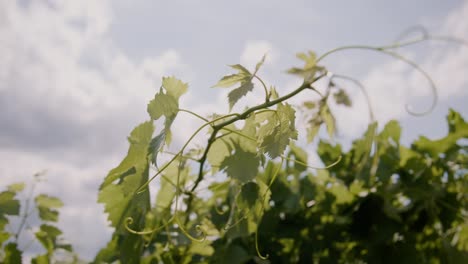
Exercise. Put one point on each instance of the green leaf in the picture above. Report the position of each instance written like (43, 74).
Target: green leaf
(309, 104)
(167, 190)
(163, 105)
(341, 97)
(458, 129)
(155, 146)
(313, 129)
(342, 194)
(241, 165)
(239, 92)
(329, 120)
(174, 87)
(12, 254)
(47, 236)
(260, 63)
(275, 135)
(41, 259)
(310, 67)
(8, 205)
(249, 194)
(46, 205)
(230, 80)
(16, 187)
(117, 192)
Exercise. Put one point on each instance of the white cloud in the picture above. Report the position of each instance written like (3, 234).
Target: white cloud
(67, 94)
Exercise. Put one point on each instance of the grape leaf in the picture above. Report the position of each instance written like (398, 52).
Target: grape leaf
(241, 165)
(260, 63)
(12, 254)
(341, 97)
(249, 194)
(155, 146)
(238, 93)
(275, 135)
(16, 187)
(8, 205)
(329, 120)
(163, 105)
(310, 67)
(46, 205)
(119, 198)
(174, 87)
(458, 129)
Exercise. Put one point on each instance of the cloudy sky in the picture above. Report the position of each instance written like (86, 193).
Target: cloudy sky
(75, 77)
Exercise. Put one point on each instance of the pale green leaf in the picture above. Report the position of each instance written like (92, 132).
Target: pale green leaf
(117, 192)
(275, 136)
(46, 205)
(241, 69)
(16, 187)
(329, 120)
(230, 80)
(239, 92)
(48, 201)
(260, 63)
(174, 87)
(163, 105)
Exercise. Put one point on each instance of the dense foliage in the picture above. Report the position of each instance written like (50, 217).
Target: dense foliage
(250, 195)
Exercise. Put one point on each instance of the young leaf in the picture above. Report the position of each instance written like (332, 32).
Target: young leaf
(328, 119)
(260, 63)
(174, 87)
(341, 97)
(46, 205)
(238, 93)
(163, 105)
(277, 133)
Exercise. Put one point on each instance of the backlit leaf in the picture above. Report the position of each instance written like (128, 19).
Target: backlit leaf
(276, 134)
(241, 165)
(238, 93)
(174, 87)
(163, 105)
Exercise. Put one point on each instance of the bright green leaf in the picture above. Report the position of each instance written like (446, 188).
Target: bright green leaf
(174, 87)
(238, 93)
(277, 133)
(163, 105)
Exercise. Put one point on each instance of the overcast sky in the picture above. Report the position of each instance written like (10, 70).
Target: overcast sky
(75, 77)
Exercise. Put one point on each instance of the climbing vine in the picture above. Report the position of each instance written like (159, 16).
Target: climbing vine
(250, 194)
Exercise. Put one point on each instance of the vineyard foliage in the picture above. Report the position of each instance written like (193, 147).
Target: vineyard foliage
(250, 194)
